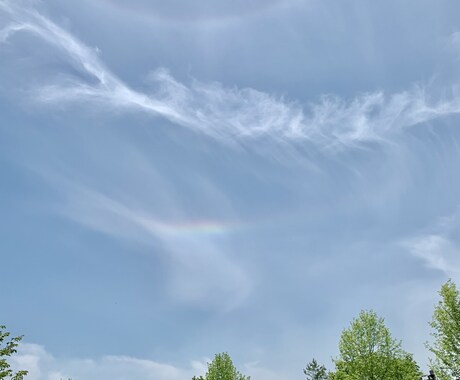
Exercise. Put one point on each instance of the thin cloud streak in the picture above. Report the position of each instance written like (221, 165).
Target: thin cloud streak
(231, 114)
(9, 30)
(439, 249)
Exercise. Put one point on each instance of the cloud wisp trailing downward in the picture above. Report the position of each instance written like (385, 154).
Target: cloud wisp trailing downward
(439, 248)
(202, 274)
(229, 114)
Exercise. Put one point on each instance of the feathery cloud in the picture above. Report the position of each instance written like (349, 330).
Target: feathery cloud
(229, 114)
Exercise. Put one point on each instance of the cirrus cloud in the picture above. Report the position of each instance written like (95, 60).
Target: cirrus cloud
(228, 114)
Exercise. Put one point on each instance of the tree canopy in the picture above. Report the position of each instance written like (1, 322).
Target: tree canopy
(222, 368)
(8, 348)
(446, 326)
(368, 352)
(314, 371)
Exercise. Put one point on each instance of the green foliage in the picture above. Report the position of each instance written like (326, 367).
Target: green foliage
(314, 371)
(368, 352)
(222, 368)
(446, 325)
(8, 348)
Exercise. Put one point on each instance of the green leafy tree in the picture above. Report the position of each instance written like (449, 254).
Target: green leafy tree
(222, 368)
(314, 371)
(8, 348)
(368, 352)
(446, 325)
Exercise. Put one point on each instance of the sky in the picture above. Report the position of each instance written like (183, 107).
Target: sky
(183, 178)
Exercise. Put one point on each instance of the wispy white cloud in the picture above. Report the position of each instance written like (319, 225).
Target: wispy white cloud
(437, 252)
(440, 248)
(9, 30)
(44, 366)
(230, 114)
(202, 274)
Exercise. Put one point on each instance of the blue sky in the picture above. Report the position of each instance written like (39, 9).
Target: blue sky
(245, 176)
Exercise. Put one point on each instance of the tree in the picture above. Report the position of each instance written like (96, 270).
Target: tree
(222, 368)
(446, 325)
(368, 352)
(8, 348)
(314, 371)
